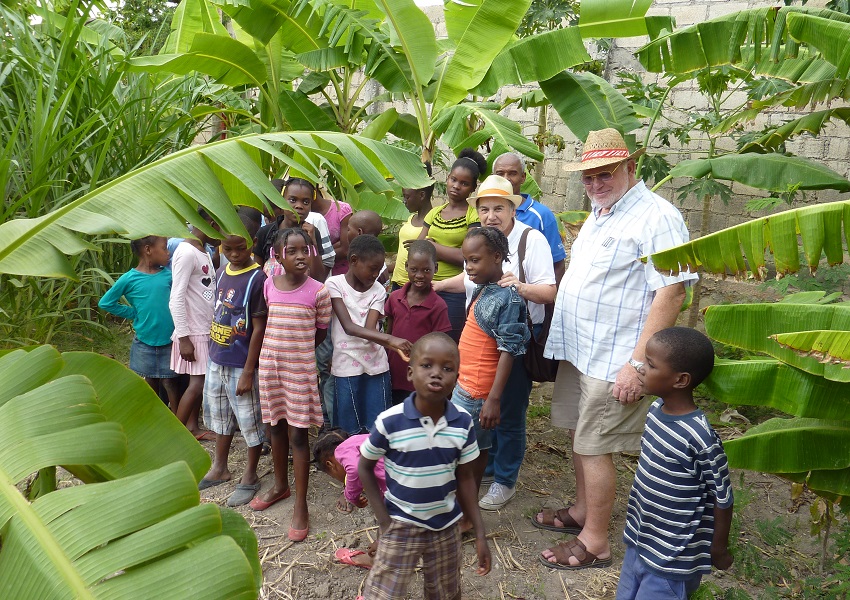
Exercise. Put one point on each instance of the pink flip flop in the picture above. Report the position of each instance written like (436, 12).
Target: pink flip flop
(298, 535)
(259, 504)
(344, 555)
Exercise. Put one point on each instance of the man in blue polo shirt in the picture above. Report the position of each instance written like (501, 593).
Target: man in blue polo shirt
(511, 166)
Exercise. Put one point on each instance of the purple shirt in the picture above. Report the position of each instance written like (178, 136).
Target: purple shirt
(348, 455)
(411, 323)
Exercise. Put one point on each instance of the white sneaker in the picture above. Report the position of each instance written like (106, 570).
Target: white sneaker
(496, 497)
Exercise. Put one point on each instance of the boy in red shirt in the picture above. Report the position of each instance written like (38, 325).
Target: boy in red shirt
(413, 311)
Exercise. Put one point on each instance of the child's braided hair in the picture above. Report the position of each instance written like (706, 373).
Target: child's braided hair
(494, 238)
(282, 236)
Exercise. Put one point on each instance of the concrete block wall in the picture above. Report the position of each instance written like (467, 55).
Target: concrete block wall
(562, 191)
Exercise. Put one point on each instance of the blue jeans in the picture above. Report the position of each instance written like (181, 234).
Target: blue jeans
(358, 401)
(324, 352)
(463, 399)
(637, 582)
(509, 437)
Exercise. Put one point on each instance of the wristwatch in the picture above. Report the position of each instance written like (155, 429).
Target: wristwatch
(636, 364)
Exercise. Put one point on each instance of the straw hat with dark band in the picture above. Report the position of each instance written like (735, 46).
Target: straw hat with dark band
(603, 147)
(495, 186)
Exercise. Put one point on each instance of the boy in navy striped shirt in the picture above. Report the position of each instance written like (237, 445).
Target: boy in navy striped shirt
(428, 446)
(680, 505)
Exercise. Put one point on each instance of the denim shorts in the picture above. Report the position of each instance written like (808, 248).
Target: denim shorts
(151, 361)
(462, 399)
(224, 410)
(637, 582)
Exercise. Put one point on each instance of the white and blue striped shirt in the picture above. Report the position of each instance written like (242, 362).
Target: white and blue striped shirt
(681, 474)
(604, 298)
(420, 459)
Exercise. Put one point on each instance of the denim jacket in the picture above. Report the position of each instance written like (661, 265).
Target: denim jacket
(502, 314)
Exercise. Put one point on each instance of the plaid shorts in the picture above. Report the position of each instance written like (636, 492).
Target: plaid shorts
(225, 412)
(399, 551)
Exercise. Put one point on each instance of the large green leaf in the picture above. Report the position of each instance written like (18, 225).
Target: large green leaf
(505, 134)
(486, 33)
(812, 123)
(768, 382)
(740, 249)
(620, 18)
(534, 58)
(137, 536)
(773, 172)
(751, 327)
(588, 103)
(828, 36)
(826, 346)
(159, 198)
(226, 60)
(788, 446)
(302, 114)
(264, 19)
(413, 32)
(191, 17)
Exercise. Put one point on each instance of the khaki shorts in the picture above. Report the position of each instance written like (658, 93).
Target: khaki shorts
(602, 425)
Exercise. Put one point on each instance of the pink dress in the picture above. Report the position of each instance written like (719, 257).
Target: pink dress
(289, 385)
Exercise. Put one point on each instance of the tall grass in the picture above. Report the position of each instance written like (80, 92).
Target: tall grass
(71, 119)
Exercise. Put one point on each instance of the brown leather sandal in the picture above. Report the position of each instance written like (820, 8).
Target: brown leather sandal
(570, 525)
(574, 547)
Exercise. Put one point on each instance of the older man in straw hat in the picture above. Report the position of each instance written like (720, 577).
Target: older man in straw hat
(608, 305)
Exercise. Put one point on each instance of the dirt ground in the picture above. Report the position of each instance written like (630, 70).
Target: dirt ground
(307, 570)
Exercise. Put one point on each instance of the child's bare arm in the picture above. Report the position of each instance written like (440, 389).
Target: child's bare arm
(321, 334)
(720, 555)
(258, 331)
(366, 471)
(492, 408)
(467, 495)
(371, 334)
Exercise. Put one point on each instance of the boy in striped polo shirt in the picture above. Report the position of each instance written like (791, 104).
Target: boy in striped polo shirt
(428, 446)
(680, 506)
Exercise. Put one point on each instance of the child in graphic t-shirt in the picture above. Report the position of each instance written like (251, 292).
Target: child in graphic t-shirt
(231, 394)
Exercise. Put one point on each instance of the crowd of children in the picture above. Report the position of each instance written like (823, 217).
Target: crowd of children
(406, 415)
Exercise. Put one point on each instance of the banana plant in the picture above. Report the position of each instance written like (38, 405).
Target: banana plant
(136, 529)
(813, 444)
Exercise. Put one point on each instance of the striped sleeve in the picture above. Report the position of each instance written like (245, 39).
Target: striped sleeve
(323, 308)
(470, 450)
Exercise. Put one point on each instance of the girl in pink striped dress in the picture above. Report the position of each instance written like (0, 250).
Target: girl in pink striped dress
(299, 313)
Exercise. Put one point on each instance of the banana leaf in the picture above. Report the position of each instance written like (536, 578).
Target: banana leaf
(620, 18)
(159, 198)
(506, 135)
(135, 536)
(820, 228)
(812, 123)
(413, 32)
(825, 346)
(534, 58)
(191, 17)
(487, 32)
(790, 446)
(748, 37)
(827, 35)
(588, 103)
(302, 114)
(771, 383)
(227, 61)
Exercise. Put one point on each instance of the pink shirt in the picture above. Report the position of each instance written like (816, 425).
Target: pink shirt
(348, 455)
(336, 213)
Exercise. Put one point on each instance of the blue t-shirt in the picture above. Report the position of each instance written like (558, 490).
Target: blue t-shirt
(239, 297)
(537, 215)
(682, 473)
(147, 295)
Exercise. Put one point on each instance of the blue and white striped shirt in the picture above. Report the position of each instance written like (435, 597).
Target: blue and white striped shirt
(420, 458)
(604, 298)
(681, 474)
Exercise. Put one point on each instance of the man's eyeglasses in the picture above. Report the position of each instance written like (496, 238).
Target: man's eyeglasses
(603, 177)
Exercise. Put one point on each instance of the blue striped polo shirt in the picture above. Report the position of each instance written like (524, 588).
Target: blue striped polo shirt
(420, 458)
(681, 474)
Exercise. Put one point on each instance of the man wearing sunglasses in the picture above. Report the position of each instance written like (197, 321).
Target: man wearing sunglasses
(609, 304)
